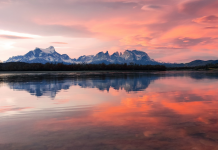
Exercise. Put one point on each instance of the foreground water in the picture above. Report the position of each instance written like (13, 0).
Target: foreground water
(155, 111)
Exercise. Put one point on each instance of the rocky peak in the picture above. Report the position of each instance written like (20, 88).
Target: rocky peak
(85, 58)
(48, 50)
(128, 55)
(116, 54)
(102, 55)
(65, 56)
(141, 55)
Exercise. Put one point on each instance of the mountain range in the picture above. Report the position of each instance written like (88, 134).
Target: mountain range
(49, 55)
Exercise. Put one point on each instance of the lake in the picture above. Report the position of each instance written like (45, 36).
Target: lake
(109, 110)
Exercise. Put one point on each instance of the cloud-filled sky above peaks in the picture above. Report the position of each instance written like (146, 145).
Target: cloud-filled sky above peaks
(168, 30)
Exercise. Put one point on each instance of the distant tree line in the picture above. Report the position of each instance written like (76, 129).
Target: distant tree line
(19, 66)
(205, 67)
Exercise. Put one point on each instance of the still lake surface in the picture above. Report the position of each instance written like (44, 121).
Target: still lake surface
(109, 110)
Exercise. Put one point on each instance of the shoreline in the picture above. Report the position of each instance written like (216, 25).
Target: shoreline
(104, 71)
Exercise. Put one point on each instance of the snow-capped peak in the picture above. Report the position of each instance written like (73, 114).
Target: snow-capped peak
(50, 49)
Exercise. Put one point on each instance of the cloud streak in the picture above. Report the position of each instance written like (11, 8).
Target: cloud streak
(12, 37)
(59, 43)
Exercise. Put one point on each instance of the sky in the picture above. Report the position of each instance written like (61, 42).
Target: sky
(168, 30)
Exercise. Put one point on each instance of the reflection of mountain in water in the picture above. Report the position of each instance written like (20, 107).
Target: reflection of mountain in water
(135, 83)
(50, 85)
(42, 88)
(45, 87)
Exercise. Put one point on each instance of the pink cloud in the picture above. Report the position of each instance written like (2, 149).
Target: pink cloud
(7, 109)
(12, 37)
(211, 27)
(59, 43)
(194, 7)
(207, 19)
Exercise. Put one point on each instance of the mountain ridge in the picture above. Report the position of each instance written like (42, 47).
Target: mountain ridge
(49, 55)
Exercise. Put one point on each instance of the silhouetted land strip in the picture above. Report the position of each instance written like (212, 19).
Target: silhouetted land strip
(19, 66)
(206, 67)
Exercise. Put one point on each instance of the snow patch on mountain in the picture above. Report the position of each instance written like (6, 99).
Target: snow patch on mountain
(51, 49)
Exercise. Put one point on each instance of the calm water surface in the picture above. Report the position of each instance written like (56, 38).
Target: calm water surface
(156, 111)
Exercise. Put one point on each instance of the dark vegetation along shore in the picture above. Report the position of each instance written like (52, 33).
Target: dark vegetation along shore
(205, 67)
(20, 66)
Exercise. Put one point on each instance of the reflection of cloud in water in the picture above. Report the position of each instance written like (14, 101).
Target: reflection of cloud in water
(153, 121)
